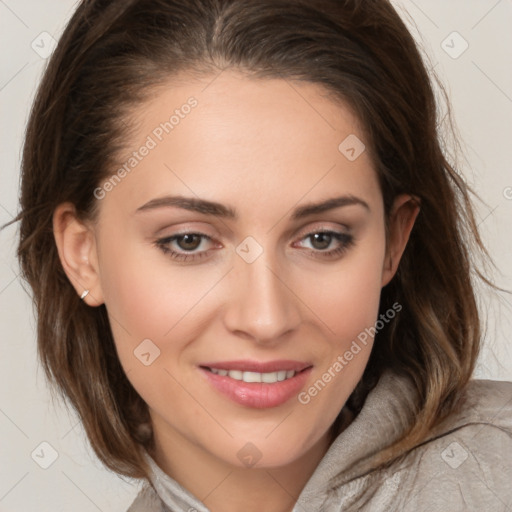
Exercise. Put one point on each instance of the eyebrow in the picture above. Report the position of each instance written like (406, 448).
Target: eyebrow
(219, 210)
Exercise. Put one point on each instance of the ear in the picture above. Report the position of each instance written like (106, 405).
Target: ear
(76, 245)
(403, 214)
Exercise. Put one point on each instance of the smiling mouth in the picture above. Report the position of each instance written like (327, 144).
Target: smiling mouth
(256, 384)
(246, 376)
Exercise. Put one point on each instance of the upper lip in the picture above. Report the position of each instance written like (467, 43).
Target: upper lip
(258, 366)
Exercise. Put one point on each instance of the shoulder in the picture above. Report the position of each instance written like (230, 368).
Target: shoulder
(488, 402)
(483, 418)
(147, 501)
(467, 462)
(464, 464)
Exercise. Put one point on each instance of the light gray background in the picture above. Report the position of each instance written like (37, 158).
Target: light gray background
(480, 85)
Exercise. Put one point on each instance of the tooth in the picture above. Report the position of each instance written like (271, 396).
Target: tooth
(251, 377)
(269, 378)
(235, 374)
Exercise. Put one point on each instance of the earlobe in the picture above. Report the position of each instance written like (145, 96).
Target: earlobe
(403, 215)
(76, 246)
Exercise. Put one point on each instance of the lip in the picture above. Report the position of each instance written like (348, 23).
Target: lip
(258, 395)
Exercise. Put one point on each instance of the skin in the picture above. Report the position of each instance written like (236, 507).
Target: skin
(263, 148)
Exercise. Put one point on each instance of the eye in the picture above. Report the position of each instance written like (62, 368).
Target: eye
(182, 246)
(322, 240)
(193, 246)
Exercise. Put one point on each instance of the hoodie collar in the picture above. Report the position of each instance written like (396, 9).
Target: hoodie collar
(386, 413)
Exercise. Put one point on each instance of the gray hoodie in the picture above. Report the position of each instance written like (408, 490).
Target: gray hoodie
(465, 465)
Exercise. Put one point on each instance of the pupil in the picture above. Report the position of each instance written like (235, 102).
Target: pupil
(324, 240)
(188, 242)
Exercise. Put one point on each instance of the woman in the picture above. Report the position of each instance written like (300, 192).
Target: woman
(250, 260)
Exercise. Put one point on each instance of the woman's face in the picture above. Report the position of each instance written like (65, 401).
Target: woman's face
(247, 237)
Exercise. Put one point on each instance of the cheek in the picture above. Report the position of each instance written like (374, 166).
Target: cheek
(149, 298)
(347, 300)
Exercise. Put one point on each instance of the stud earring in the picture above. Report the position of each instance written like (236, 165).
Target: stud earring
(84, 294)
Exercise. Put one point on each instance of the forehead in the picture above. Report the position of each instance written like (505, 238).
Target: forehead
(230, 136)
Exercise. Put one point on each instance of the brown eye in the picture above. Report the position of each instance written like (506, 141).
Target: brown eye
(320, 241)
(327, 244)
(189, 242)
(188, 247)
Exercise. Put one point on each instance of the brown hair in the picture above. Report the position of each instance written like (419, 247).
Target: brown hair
(108, 58)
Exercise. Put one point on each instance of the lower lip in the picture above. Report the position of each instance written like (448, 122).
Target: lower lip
(258, 395)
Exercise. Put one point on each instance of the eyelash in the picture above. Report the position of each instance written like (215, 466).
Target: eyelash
(345, 239)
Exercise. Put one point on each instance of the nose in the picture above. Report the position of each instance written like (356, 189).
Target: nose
(261, 304)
